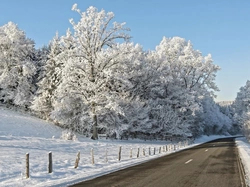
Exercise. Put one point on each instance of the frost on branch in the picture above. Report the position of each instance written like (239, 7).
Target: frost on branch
(74, 7)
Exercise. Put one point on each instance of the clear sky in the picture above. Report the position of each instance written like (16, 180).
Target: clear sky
(219, 27)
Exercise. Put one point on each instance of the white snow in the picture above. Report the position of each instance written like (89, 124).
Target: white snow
(244, 151)
(21, 134)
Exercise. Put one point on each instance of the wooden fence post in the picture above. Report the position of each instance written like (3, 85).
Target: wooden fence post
(27, 166)
(77, 159)
(92, 156)
(138, 152)
(50, 162)
(131, 154)
(160, 150)
(149, 151)
(154, 150)
(143, 150)
(119, 154)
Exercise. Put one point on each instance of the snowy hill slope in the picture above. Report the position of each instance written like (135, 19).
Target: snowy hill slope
(18, 124)
(21, 134)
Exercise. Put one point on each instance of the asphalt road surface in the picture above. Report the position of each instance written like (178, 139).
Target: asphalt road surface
(214, 164)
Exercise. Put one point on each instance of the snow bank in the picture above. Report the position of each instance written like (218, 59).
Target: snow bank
(244, 152)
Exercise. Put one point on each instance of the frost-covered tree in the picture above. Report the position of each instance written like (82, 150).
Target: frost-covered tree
(16, 66)
(228, 109)
(179, 62)
(166, 86)
(41, 57)
(212, 120)
(242, 101)
(50, 78)
(241, 106)
(93, 53)
(132, 100)
(148, 113)
(181, 75)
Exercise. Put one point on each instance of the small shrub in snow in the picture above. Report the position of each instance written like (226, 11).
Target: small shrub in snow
(68, 135)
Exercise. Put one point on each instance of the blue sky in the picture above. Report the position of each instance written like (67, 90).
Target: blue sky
(219, 27)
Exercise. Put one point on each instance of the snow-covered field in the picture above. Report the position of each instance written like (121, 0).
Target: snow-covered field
(21, 134)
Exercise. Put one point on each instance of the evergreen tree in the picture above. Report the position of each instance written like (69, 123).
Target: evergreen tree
(50, 78)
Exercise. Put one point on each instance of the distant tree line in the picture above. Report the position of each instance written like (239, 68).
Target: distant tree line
(95, 80)
(241, 110)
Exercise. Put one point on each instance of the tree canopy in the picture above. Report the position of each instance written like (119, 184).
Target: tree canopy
(95, 80)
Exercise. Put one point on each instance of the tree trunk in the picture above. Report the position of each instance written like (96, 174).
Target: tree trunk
(94, 135)
(93, 104)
